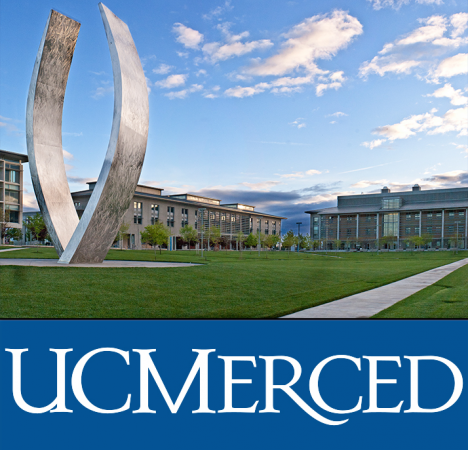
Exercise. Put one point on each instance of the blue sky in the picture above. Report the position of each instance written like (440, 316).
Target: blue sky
(279, 104)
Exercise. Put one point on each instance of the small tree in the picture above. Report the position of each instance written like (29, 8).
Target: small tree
(4, 227)
(123, 231)
(155, 235)
(289, 240)
(315, 245)
(271, 240)
(37, 227)
(240, 238)
(214, 235)
(189, 234)
(251, 241)
(337, 244)
(15, 234)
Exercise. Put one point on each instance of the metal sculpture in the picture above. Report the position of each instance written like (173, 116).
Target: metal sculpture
(89, 239)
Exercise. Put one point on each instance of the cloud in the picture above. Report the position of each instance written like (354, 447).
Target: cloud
(310, 172)
(261, 186)
(366, 183)
(460, 23)
(373, 144)
(397, 4)
(419, 49)
(452, 120)
(67, 155)
(101, 91)
(241, 92)
(215, 51)
(172, 81)
(218, 11)
(182, 54)
(188, 37)
(6, 123)
(455, 178)
(337, 114)
(318, 37)
(298, 123)
(450, 67)
(463, 147)
(200, 72)
(65, 133)
(163, 69)
(185, 92)
(455, 96)
(79, 180)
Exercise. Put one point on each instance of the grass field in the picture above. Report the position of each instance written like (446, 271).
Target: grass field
(446, 299)
(225, 286)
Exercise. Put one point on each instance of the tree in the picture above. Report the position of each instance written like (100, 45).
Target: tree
(289, 239)
(271, 240)
(315, 245)
(304, 241)
(251, 241)
(4, 227)
(36, 227)
(240, 238)
(123, 231)
(157, 234)
(15, 234)
(214, 235)
(337, 244)
(189, 234)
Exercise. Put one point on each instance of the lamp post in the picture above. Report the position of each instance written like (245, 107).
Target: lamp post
(202, 210)
(298, 233)
(457, 222)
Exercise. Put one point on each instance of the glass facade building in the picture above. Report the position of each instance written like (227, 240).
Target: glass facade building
(392, 220)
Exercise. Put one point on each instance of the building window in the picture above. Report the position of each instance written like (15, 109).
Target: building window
(451, 213)
(77, 204)
(429, 230)
(390, 224)
(273, 225)
(348, 232)
(330, 219)
(259, 225)
(154, 214)
(408, 216)
(12, 213)
(12, 173)
(408, 230)
(461, 213)
(184, 222)
(451, 229)
(417, 216)
(349, 218)
(369, 218)
(11, 193)
(170, 216)
(429, 215)
(391, 203)
(137, 212)
(439, 214)
(416, 231)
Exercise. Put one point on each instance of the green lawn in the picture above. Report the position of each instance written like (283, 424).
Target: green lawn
(225, 286)
(446, 299)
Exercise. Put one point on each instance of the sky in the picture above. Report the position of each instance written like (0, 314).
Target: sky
(283, 105)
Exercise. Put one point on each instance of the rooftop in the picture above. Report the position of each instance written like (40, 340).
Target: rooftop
(13, 157)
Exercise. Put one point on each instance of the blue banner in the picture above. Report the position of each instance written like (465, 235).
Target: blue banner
(233, 384)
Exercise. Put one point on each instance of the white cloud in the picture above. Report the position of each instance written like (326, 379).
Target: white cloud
(261, 186)
(452, 120)
(366, 183)
(163, 69)
(241, 92)
(200, 72)
(455, 96)
(450, 67)
(101, 91)
(460, 23)
(172, 81)
(310, 172)
(215, 51)
(337, 114)
(182, 54)
(373, 144)
(188, 37)
(397, 4)
(298, 123)
(67, 155)
(318, 37)
(322, 198)
(218, 11)
(419, 49)
(185, 92)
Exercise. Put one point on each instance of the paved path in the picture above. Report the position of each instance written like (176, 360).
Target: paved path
(366, 304)
(11, 249)
(105, 264)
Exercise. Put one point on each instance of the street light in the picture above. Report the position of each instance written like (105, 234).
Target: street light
(298, 233)
(202, 210)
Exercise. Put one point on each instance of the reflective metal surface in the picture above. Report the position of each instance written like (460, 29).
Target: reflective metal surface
(44, 127)
(89, 239)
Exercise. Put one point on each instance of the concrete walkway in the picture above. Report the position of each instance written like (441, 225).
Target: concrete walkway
(366, 304)
(103, 265)
(11, 249)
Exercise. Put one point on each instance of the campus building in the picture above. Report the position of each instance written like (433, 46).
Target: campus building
(149, 205)
(11, 188)
(391, 219)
